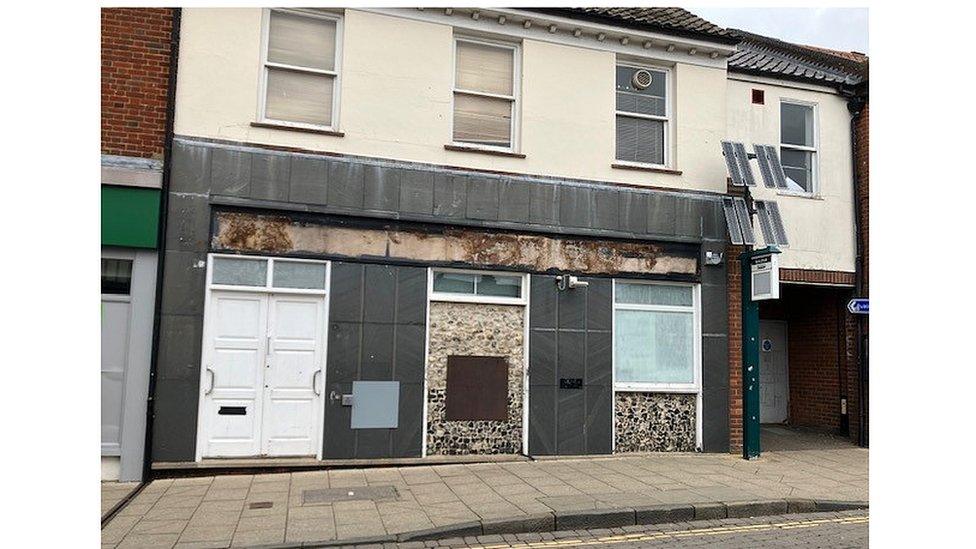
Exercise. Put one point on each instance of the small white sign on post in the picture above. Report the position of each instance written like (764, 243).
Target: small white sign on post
(765, 277)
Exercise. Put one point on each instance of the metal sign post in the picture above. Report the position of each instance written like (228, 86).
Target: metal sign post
(760, 270)
(750, 355)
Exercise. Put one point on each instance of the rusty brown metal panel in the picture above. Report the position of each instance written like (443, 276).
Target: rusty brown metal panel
(263, 233)
(477, 388)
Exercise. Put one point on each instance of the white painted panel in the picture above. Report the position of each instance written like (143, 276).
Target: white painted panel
(292, 406)
(234, 355)
(774, 386)
(115, 347)
(396, 103)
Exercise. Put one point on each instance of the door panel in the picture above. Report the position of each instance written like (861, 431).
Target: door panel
(115, 345)
(234, 352)
(292, 403)
(773, 378)
(569, 339)
(376, 333)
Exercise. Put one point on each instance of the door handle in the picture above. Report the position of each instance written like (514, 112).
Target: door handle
(315, 386)
(213, 378)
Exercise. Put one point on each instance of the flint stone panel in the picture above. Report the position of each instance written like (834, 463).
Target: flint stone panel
(655, 422)
(474, 329)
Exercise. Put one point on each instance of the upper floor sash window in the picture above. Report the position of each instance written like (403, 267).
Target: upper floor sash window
(798, 146)
(643, 115)
(485, 94)
(301, 69)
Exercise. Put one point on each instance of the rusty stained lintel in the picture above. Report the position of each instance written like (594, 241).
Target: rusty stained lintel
(275, 234)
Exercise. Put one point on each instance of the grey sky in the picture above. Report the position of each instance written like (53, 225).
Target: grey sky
(836, 28)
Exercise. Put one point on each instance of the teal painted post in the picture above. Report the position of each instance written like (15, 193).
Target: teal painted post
(750, 362)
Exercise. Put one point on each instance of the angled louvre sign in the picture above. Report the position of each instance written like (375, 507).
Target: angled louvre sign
(738, 221)
(742, 157)
(771, 223)
(745, 221)
(737, 163)
(770, 167)
(732, 221)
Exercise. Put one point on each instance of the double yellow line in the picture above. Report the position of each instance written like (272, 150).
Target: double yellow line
(698, 532)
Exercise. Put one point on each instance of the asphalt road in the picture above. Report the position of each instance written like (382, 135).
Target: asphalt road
(834, 530)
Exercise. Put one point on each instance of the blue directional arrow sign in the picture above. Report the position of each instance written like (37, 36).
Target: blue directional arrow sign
(858, 306)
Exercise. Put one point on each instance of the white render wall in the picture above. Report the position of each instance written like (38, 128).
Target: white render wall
(820, 228)
(396, 103)
(396, 100)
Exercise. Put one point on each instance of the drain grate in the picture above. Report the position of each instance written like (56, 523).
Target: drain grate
(261, 505)
(332, 495)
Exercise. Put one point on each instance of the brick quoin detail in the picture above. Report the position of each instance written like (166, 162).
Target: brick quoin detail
(862, 157)
(734, 280)
(135, 80)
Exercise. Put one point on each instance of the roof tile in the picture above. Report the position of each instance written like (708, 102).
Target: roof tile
(670, 20)
(764, 55)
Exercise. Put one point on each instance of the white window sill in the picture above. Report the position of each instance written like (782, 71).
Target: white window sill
(650, 388)
(321, 130)
(462, 147)
(811, 196)
(473, 298)
(656, 168)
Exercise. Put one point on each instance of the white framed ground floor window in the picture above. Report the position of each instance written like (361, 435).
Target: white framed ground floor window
(475, 286)
(656, 336)
(657, 341)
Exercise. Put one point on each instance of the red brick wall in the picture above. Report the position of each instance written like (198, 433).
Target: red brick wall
(734, 279)
(814, 372)
(863, 165)
(135, 79)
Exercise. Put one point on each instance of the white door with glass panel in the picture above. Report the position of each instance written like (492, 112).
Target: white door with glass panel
(774, 387)
(263, 358)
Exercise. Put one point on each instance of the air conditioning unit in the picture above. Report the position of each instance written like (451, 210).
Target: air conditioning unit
(765, 277)
(641, 79)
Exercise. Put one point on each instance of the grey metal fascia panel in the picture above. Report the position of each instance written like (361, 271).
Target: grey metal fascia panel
(431, 196)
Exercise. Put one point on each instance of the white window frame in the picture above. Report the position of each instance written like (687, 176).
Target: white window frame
(121, 256)
(667, 119)
(815, 149)
(695, 308)
(269, 275)
(475, 298)
(265, 65)
(514, 130)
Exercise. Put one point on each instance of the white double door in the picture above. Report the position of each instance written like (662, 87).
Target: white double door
(263, 373)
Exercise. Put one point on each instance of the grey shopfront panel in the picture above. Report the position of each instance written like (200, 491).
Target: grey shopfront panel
(207, 174)
(377, 316)
(570, 368)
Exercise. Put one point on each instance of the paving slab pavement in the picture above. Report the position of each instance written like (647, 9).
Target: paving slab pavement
(249, 510)
(114, 492)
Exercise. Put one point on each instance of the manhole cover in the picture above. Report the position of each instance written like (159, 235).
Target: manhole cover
(331, 495)
(261, 505)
